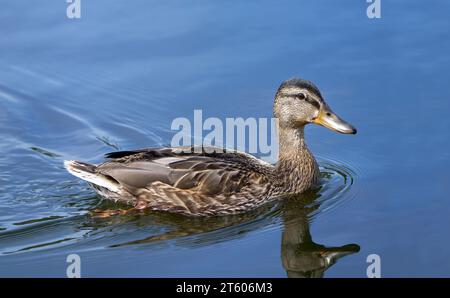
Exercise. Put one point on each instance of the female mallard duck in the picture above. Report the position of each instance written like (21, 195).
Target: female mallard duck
(206, 182)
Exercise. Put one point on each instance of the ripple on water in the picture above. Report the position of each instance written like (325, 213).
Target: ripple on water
(337, 179)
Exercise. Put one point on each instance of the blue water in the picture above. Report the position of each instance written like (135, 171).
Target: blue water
(117, 77)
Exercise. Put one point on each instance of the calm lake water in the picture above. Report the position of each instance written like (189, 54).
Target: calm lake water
(116, 78)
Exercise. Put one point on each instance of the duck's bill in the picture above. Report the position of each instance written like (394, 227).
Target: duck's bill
(332, 121)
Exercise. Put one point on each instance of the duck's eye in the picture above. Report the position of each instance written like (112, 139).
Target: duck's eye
(301, 96)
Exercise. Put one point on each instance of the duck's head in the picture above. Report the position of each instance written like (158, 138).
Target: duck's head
(299, 102)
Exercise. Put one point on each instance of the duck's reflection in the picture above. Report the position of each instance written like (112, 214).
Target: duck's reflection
(300, 255)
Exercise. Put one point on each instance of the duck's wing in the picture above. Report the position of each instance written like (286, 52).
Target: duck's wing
(186, 173)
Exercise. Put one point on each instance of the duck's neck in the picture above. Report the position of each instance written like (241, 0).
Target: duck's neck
(297, 170)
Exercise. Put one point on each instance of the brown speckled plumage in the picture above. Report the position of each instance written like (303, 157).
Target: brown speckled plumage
(207, 182)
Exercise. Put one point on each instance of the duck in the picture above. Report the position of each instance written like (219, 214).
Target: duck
(212, 181)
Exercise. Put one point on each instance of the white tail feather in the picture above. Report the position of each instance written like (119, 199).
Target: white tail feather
(74, 168)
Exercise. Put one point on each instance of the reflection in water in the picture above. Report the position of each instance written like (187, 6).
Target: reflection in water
(301, 256)
(185, 231)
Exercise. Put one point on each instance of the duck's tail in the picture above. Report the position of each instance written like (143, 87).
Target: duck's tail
(89, 173)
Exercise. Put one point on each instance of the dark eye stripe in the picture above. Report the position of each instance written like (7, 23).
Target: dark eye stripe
(307, 99)
(313, 102)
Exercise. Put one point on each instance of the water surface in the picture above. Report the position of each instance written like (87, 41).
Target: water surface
(116, 78)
